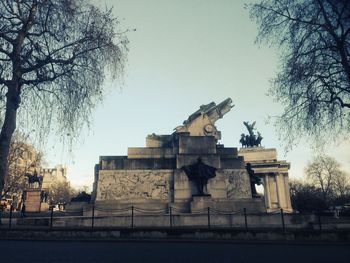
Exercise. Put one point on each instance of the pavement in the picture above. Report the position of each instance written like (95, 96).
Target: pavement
(168, 252)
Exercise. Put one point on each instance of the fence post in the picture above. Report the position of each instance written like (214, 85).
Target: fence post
(208, 217)
(10, 219)
(171, 216)
(93, 216)
(132, 216)
(319, 219)
(282, 218)
(245, 218)
(51, 217)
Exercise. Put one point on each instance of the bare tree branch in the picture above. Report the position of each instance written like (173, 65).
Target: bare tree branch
(314, 79)
(54, 55)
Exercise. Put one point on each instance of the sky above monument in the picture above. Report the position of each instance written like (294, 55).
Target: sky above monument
(185, 53)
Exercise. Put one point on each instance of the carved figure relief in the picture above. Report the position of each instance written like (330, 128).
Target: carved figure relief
(134, 184)
(237, 184)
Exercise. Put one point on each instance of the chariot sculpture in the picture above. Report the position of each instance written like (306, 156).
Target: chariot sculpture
(250, 140)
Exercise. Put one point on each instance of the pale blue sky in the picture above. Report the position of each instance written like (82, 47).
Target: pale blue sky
(184, 53)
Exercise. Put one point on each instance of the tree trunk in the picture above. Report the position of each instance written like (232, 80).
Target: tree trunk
(8, 128)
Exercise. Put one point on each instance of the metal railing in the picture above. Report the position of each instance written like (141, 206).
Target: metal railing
(172, 217)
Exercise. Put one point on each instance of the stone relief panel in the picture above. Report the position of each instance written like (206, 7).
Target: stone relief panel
(237, 183)
(142, 184)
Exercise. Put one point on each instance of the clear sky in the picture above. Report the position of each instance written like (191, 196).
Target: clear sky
(184, 53)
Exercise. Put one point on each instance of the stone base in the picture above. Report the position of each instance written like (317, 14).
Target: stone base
(201, 202)
(125, 206)
(33, 200)
(250, 204)
(44, 207)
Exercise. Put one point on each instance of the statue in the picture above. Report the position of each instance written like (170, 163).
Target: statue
(243, 140)
(202, 122)
(43, 196)
(200, 173)
(254, 179)
(250, 127)
(250, 140)
(34, 178)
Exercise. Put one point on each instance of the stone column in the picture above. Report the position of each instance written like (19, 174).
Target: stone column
(267, 191)
(287, 192)
(279, 191)
(283, 191)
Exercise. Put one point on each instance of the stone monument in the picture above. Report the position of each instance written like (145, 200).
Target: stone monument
(187, 170)
(265, 169)
(35, 199)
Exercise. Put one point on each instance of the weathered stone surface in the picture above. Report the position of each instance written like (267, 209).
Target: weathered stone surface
(223, 151)
(227, 162)
(197, 145)
(258, 154)
(202, 122)
(123, 163)
(112, 162)
(150, 163)
(154, 152)
(201, 203)
(237, 183)
(133, 184)
(154, 140)
(188, 159)
(33, 200)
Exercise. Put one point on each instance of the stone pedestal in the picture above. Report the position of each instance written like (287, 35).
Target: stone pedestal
(33, 200)
(44, 207)
(201, 202)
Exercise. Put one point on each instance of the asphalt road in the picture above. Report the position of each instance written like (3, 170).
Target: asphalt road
(73, 251)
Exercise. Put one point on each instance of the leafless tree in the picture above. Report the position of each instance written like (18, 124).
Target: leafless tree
(60, 192)
(325, 173)
(314, 79)
(22, 158)
(53, 57)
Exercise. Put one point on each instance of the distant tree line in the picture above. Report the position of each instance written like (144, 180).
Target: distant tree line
(325, 186)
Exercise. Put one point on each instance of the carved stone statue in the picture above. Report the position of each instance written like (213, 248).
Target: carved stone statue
(254, 179)
(200, 173)
(202, 122)
(250, 140)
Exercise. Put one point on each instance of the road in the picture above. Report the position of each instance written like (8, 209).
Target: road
(168, 252)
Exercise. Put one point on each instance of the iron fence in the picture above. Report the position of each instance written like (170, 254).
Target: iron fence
(172, 217)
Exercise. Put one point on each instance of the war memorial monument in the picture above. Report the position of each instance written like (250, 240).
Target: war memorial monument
(190, 170)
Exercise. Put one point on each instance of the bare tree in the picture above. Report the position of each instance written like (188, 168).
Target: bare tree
(324, 172)
(306, 197)
(53, 56)
(60, 192)
(342, 184)
(22, 158)
(314, 79)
